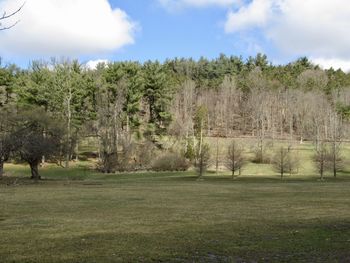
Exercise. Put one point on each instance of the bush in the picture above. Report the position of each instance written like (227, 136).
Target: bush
(145, 155)
(88, 155)
(171, 162)
(261, 155)
(108, 163)
(190, 152)
(126, 157)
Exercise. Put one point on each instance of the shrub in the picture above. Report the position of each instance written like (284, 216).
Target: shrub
(126, 160)
(190, 152)
(108, 162)
(261, 155)
(145, 155)
(88, 155)
(171, 162)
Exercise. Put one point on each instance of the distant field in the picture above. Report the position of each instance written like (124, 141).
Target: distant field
(304, 151)
(77, 215)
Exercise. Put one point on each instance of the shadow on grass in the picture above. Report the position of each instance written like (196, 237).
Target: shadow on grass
(272, 242)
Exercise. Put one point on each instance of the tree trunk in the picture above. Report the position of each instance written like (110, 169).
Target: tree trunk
(335, 165)
(201, 138)
(77, 151)
(321, 171)
(69, 121)
(127, 123)
(1, 168)
(43, 159)
(217, 155)
(282, 162)
(201, 167)
(233, 161)
(34, 169)
(334, 159)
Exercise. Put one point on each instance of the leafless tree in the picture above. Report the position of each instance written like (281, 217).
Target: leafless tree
(234, 158)
(320, 158)
(183, 107)
(6, 16)
(280, 161)
(258, 108)
(312, 79)
(285, 161)
(336, 136)
(203, 159)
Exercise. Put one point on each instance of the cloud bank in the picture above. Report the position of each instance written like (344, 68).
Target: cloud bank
(65, 28)
(314, 28)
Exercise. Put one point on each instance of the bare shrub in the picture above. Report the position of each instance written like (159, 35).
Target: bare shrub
(170, 162)
(146, 153)
(261, 155)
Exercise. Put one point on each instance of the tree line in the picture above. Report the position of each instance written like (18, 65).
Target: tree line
(132, 109)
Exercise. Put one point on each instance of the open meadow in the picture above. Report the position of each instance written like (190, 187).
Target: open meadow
(79, 215)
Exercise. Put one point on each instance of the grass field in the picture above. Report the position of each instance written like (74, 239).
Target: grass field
(77, 215)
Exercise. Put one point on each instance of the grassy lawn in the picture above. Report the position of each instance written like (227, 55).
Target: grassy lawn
(77, 215)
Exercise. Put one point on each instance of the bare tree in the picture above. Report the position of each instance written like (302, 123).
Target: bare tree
(200, 124)
(203, 159)
(280, 161)
(5, 16)
(320, 158)
(234, 158)
(285, 161)
(183, 107)
(336, 136)
(313, 79)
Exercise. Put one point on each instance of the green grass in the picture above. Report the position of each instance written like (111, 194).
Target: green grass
(304, 152)
(77, 215)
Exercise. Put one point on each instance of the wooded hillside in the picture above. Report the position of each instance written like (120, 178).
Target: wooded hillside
(129, 106)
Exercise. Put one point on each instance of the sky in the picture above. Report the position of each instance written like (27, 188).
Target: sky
(116, 30)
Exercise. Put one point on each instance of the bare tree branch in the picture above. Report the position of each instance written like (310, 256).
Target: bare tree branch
(6, 16)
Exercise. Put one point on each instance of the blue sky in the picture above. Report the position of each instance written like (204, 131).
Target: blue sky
(159, 29)
(191, 32)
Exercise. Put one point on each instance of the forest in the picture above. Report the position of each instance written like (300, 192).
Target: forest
(159, 116)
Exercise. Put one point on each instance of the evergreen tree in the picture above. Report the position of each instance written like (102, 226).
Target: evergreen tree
(157, 93)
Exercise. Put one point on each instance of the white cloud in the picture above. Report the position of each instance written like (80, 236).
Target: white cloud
(92, 64)
(66, 27)
(332, 63)
(299, 27)
(255, 14)
(178, 4)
